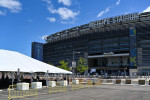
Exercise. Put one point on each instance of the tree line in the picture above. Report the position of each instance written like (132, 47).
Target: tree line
(81, 65)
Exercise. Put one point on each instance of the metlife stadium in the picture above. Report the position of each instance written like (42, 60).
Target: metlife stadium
(118, 45)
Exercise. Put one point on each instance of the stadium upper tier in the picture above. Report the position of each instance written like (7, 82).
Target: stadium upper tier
(87, 28)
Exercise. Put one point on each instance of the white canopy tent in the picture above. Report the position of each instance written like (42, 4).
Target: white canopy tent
(10, 61)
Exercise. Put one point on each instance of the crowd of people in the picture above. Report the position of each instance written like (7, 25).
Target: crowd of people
(6, 79)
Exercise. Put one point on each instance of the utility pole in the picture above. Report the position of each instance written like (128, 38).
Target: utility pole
(73, 62)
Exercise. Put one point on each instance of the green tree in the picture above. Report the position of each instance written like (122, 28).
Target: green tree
(64, 65)
(82, 65)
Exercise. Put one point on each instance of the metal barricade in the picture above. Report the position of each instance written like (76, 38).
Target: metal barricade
(21, 91)
(56, 87)
(60, 87)
(97, 82)
(89, 83)
(80, 85)
(86, 84)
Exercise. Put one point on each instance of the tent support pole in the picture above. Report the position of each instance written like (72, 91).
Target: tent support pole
(31, 77)
(47, 78)
(12, 78)
(18, 75)
(58, 77)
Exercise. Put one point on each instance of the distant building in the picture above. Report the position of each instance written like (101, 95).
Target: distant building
(115, 46)
(37, 51)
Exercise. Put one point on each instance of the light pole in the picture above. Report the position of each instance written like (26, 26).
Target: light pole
(73, 62)
(69, 64)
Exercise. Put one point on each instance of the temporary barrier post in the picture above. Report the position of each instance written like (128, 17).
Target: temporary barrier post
(9, 93)
(36, 90)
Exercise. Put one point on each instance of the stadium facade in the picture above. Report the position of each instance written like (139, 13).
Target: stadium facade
(117, 45)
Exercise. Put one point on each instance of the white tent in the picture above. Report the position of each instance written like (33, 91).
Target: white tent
(10, 61)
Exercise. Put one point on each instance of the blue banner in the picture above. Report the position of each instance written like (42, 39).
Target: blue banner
(133, 49)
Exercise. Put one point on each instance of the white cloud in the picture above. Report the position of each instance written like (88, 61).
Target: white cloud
(51, 19)
(108, 9)
(65, 2)
(2, 13)
(44, 37)
(147, 9)
(103, 12)
(12, 5)
(51, 9)
(66, 13)
(47, 1)
(118, 2)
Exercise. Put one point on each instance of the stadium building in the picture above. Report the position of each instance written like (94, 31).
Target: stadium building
(117, 45)
(37, 51)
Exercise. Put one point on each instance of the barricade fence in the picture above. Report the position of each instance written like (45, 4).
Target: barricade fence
(85, 84)
(78, 85)
(55, 87)
(21, 91)
(74, 85)
(26, 89)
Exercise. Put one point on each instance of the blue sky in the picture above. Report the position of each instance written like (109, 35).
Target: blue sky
(25, 21)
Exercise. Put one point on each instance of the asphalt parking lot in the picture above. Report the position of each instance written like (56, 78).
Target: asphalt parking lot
(103, 92)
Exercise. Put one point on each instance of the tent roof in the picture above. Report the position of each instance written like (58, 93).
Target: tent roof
(10, 61)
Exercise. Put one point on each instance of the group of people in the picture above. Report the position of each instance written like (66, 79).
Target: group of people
(63, 78)
(6, 79)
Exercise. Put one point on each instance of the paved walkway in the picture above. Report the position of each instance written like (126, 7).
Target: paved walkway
(103, 92)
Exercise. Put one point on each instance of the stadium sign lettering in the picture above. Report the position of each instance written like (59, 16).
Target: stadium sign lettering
(117, 19)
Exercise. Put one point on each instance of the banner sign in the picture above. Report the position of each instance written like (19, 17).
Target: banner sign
(73, 64)
(133, 49)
